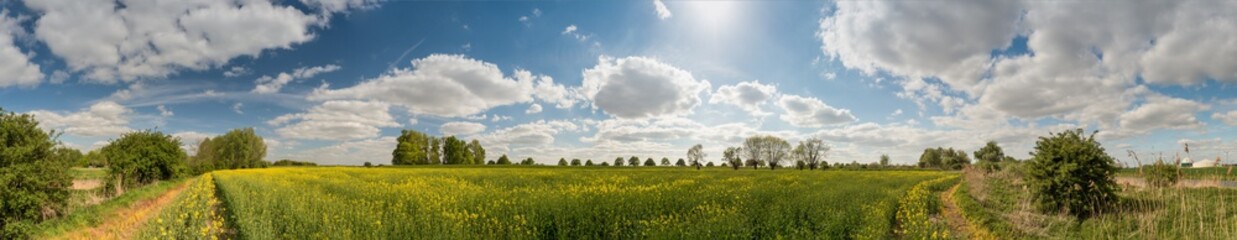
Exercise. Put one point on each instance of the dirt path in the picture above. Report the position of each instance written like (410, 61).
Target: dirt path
(125, 223)
(86, 184)
(952, 215)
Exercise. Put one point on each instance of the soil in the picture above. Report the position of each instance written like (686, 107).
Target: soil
(124, 223)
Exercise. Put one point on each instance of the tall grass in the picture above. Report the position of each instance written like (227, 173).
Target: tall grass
(580, 203)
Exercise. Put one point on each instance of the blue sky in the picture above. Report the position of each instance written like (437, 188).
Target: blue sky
(335, 81)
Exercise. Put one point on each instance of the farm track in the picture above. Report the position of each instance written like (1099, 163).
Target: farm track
(953, 215)
(125, 223)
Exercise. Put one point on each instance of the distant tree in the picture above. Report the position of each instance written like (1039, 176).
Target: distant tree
(649, 163)
(435, 152)
(588, 163)
(412, 147)
(811, 152)
(562, 162)
(800, 164)
(710, 164)
(367, 164)
(32, 181)
(94, 158)
(1070, 172)
(680, 163)
(752, 163)
(767, 149)
(731, 155)
(696, 155)
(664, 161)
(503, 160)
(824, 165)
(989, 156)
(884, 160)
(651, 159)
(931, 158)
(238, 148)
(456, 151)
(605, 164)
(491, 162)
(142, 157)
(289, 162)
(618, 162)
(528, 161)
(633, 161)
(724, 164)
(575, 162)
(478, 152)
(70, 156)
(954, 159)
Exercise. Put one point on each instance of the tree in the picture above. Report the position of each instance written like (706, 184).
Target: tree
(633, 161)
(528, 161)
(411, 148)
(618, 162)
(289, 162)
(94, 158)
(954, 159)
(695, 154)
(800, 164)
(1071, 173)
(455, 151)
(884, 160)
(367, 164)
(605, 164)
(650, 163)
(562, 162)
(990, 156)
(435, 152)
(766, 149)
(31, 179)
(238, 148)
(709, 165)
(931, 158)
(731, 156)
(665, 161)
(142, 157)
(811, 152)
(588, 163)
(71, 156)
(680, 163)
(503, 160)
(575, 162)
(478, 152)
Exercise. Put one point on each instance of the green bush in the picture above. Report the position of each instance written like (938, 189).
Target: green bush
(1161, 174)
(1071, 173)
(142, 157)
(32, 179)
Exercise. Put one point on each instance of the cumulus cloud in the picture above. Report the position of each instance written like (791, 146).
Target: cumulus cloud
(461, 128)
(352, 152)
(535, 108)
(103, 119)
(640, 87)
(662, 11)
(1229, 118)
(1160, 112)
(442, 85)
(268, 84)
(15, 66)
(539, 133)
(336, 120)
(110, 41)
(811, 112)
(746, 95)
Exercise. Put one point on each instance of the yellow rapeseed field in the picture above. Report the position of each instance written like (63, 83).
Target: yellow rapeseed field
(548, 202)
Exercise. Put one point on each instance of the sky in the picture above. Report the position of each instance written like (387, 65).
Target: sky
(335, 81)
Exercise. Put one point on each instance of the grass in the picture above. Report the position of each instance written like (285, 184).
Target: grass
(1207, 173)
(572, 203)
(93, 215)
(1000, 205)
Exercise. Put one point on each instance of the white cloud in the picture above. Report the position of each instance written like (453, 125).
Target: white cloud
(412, 121)
(639, 87)
(15, 66)
(336, 120)
(538, 133)
(441, 85)
(163, 111)
(103, 119)
(236, 72)
(547, 91)
(190, 140)
(571, 30)
(811, 112)
(746, 95)
(1229, 117)
(662, 12)
(237, 108)
(333, 6)
(1160, 112)
(58, 77)
(461, 128)
(110, 41)
(354, 152)
(535, 108)
(268, 84)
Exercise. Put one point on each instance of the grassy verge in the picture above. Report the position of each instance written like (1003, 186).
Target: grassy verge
(94, 215)
(984, 223)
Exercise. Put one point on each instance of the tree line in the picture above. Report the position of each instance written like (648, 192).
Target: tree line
(417, 148)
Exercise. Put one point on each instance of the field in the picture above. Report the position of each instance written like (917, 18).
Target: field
(1208, 173)
(570, 203)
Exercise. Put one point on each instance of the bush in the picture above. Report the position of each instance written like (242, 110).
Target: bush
(31, 178)
(140, 158)
(1161, 174)
(1071, 173)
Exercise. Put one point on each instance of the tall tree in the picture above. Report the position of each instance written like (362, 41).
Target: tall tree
(633, 161)
(478, 152)
(931, 158)
(455, 151)
(435, 152)
(618, 162)
(239, 148)
(752, 148)
(575, 162)
(811, 152)
(731, 156)
(411, 148)
(562, 162)
(767, 149)
(884, 160)
(664, 161)
(32, 182)
(695, 154)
